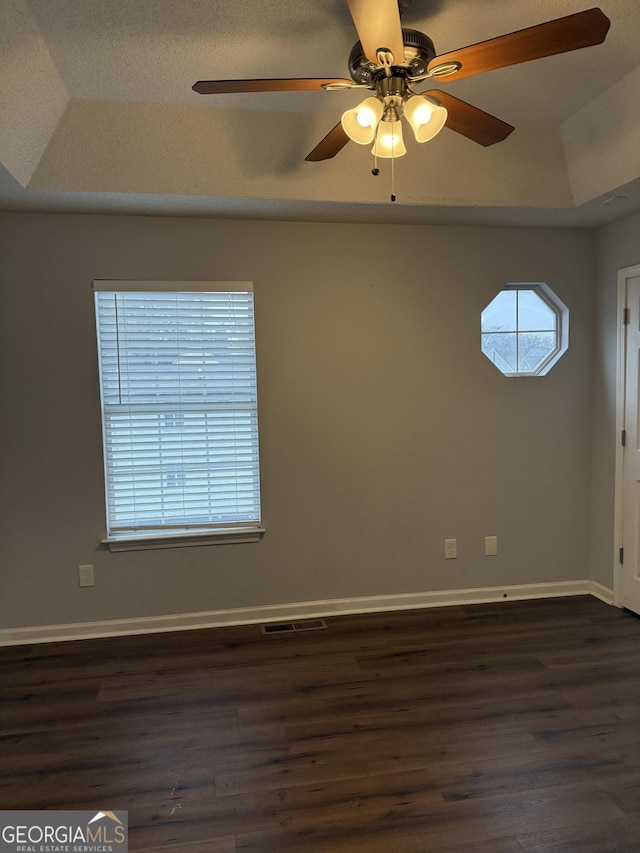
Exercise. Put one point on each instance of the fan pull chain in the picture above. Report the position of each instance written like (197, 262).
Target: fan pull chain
(375, 171)
(393, 174)
(393, 169)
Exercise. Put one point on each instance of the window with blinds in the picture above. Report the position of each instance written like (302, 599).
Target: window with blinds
(179, 406)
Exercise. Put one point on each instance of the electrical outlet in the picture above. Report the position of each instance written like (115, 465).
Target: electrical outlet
(450, 549)
(85, 575)
(490, 546)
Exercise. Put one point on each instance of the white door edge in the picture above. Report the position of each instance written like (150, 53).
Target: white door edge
(624, 275)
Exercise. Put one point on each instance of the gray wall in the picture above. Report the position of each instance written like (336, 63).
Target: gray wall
(383, 428)
(618, 246)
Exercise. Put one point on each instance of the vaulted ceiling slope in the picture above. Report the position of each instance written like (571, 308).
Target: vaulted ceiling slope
(98, 114)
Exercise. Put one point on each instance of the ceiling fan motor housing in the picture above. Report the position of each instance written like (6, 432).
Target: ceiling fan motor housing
(418, 53)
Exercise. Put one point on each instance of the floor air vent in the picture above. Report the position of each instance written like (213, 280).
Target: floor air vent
(288, 627)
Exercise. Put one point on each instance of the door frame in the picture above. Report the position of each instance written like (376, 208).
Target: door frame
(624, 275)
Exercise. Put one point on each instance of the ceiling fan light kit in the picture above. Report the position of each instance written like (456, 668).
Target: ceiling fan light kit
(378, 117)
(389, 61)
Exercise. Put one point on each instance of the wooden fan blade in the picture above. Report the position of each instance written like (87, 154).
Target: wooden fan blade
(559, 36)
(224, 87)
(378, 25)
(470, 121)
(333, 142)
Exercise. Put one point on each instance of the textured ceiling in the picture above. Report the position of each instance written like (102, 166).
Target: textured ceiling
(97, 113)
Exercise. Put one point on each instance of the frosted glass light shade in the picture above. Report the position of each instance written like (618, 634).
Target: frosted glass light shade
(426, 117)
(360, 123)
(389, 141)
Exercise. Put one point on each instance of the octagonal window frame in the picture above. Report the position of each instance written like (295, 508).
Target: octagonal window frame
(561, 313)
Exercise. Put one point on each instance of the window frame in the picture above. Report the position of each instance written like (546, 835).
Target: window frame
(561, 312)
(170, 535)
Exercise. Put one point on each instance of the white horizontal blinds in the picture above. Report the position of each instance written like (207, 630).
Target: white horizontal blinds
(178, 381)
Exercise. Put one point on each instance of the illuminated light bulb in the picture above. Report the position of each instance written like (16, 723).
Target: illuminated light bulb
(366, 117)
(422, 114)
(389, 142)
(360, 123)
(426, 116)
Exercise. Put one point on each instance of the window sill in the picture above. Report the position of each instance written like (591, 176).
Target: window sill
(146, 541)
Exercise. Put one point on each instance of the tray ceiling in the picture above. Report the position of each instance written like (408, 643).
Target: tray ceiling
(98, 114)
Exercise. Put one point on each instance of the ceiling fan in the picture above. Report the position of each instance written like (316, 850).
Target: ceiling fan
(390, 60)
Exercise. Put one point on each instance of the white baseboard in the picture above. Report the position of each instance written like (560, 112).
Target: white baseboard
(602, 592)
(298, 610)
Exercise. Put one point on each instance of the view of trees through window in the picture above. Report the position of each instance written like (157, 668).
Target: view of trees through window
(520, 330)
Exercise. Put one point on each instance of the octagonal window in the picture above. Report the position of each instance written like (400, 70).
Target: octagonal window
(525, 329)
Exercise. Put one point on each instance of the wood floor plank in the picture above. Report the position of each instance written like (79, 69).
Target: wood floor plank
(451, 824)
(626, 796)
(361, 754)
(584, 732)
(226, 844)
(604, 649)
(616, 697)
(616, 836)
(495, 845)
(387, 696)
(299, 808)
(485, 715)
(41, 715)
(588, 771)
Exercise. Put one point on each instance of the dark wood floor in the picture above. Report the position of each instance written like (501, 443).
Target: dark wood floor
(497, 728)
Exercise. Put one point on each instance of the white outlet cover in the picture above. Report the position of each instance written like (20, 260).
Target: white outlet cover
(450, 549)
(85, 575)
